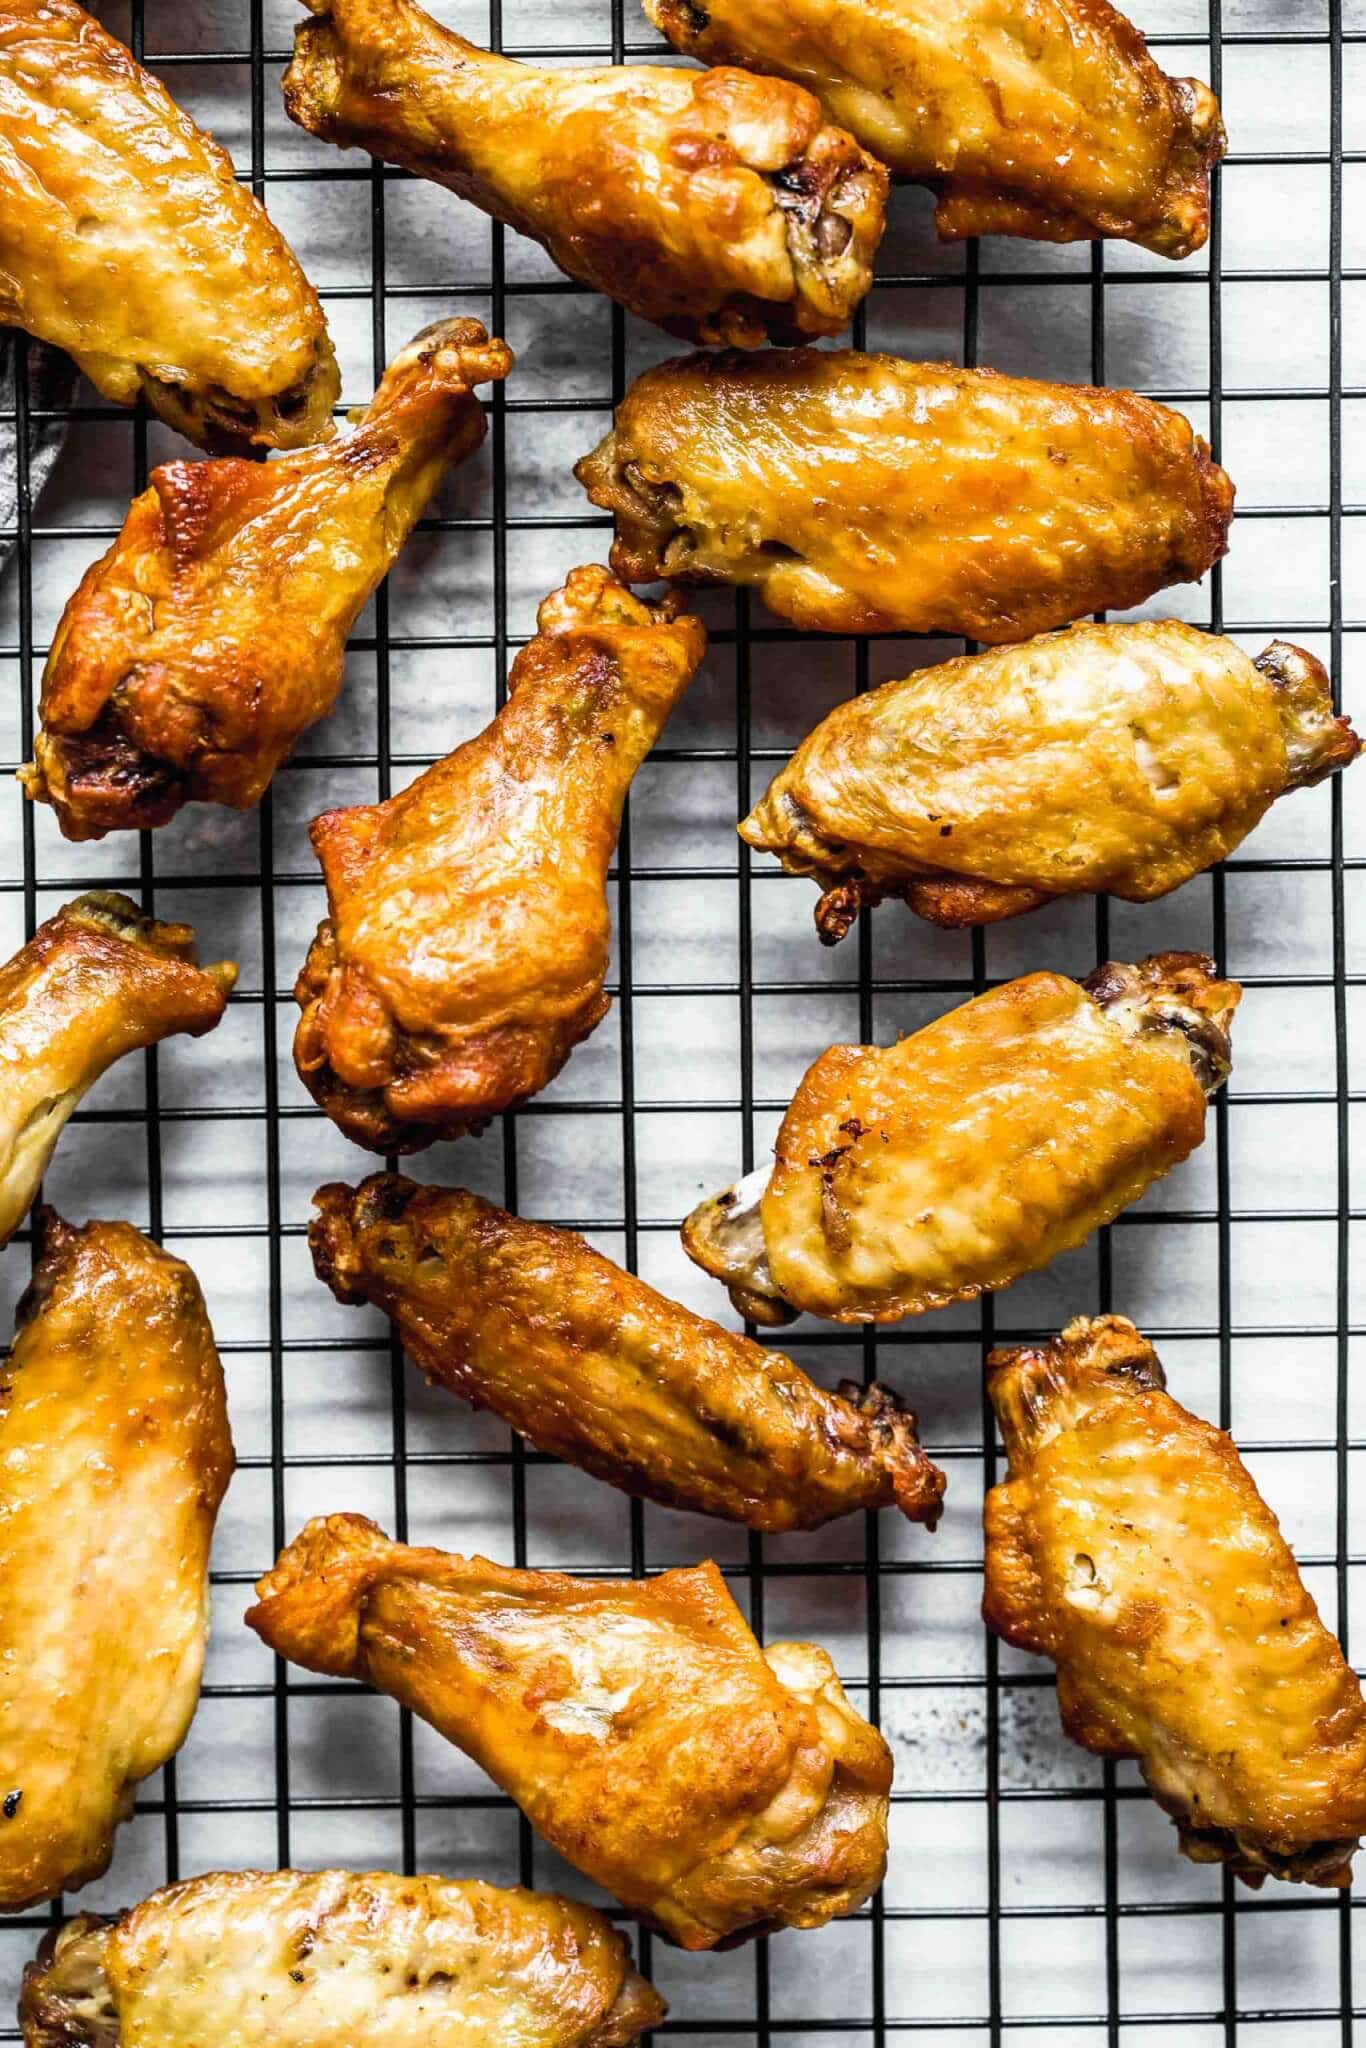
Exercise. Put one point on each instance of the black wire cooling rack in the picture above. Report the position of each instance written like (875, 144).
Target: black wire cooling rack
(958, 1946)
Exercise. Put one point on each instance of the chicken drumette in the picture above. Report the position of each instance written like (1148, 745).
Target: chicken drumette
(716, 1788)
(1119, 758)
(976, 1150)
(325, 1959)
(114, 1456)
(126, 240)
(588, 1362)
(1129, 1544)
(467, 944)
(861, 493)
(213, 633)
(722, 206)
(1039, 117)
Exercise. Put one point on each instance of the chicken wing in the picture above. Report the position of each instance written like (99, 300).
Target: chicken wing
(96, 981)
(863, 494)
(1041, 117)
(1129, 1544)
(325, 1959)
(722, 206)
(213, 633)
(947, 1165)
(126, 240)
(467, 946)
(717, 1789)
(1119, 758)
(589, 1363)
(114, 1456)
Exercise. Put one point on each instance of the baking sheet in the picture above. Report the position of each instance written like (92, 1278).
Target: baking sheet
(1031, 1893)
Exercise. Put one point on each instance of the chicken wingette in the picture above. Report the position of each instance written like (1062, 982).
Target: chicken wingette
(126, 240)
(1117, 758)
(722, 206)
(717, 1789)
(978, 1149)
(1033, 117)
(587, 1362)
(98, 980)
(328, 1959)
(467, 944)
(1129, 1544)
(861, 494)
(114, 1457)
(213, 633)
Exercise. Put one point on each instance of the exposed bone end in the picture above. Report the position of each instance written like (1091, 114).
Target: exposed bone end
(99, 782)
(1317, 744)
(917, 1483)
(1173, 992)
(1327, 1864)
(725, 1237)
(66, 2000)
(227, 423)
(1038, 1390)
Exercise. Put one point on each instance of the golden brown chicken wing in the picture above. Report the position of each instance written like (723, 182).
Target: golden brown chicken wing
(1038, 117)
(213, 633)
(1120, 758)
(325, 1959)
(863, 494)
(465, 954)
(126, 240)
(96, 981)
(1129, 1544)
(114, 1456)
(722, 206)
(715, 1788)
(589, 1363)
(947, 1165)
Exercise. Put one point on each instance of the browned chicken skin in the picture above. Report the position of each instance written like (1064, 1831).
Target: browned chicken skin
(724, 206)
(717, 1789)
(589, 1363)
(114, 1457)
(96, 981)
(467, 945)
(325, 1959)
(126, 240)
(1119, 758)
(1130, 1545)
(213, 633)
(976, 1150)
(1028, 117)
(862, 494)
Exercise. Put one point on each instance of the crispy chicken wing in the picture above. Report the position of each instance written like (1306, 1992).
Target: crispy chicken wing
(947, 1165)
(114, 1456)
(325, 1959)
(126, 240)
(213, 633)
(465, 954)
(1120, 758)
(715, 1788)
(589, 1363)
(96, 981)
(1130, 1545)
(1036, 117)
(863, 494)
(722, 206)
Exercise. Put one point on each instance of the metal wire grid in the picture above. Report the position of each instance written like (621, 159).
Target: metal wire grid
(755, 2011)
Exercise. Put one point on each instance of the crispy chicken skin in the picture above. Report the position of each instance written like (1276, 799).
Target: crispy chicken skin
(1035, 117)
(126, 240)
(213, 633)
(96, 981)
(1119, 758)
(1129, 1544)
(465, 952)
(328, 1959)
(974, 1151)
(861, 493)
(114, 1456)
(716, 1789)
(722, 206)
(587, 1362)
